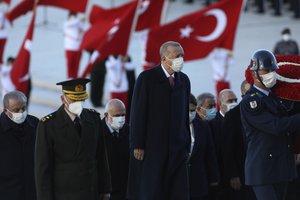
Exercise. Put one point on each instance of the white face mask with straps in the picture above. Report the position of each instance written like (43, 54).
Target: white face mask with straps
(177, 64)
(18, 118)
(75, 107)
(269, 79)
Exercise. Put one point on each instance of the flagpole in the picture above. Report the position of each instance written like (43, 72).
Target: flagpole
(134, 23)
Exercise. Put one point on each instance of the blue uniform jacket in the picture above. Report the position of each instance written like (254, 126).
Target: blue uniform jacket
(268, 129)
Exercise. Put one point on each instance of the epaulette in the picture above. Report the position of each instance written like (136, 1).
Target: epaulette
(46, 118)
(256, 94)
(93, 110)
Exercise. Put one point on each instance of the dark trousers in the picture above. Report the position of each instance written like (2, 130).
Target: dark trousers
(276, 191)
(97, 83)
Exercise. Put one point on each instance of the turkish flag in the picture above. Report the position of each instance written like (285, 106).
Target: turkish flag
(109, 33)
(199, 32)
(149, 12)
(27, 5)
(20, 69)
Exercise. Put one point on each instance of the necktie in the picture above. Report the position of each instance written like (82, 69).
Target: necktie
(77, 125)
(171, 81)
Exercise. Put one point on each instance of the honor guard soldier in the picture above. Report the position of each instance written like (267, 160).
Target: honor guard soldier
(71, 160)
(269, 164)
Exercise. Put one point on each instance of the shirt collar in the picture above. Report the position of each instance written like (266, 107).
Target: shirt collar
(110, 128)
(71, 115)
(266, 92)
(166, 73)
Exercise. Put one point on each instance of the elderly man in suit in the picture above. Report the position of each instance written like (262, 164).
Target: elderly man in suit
(116, 133)
(159, 130)
(17, 138)
(70, 159)
(203, 165)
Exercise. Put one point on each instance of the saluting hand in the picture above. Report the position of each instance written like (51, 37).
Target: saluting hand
(138, 154)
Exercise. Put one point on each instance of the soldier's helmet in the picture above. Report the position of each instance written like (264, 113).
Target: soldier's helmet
(263, 60)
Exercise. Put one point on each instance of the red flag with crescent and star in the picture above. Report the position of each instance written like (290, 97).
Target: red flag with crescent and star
(150, 12)
(20, 69)
(26, 5)
(199, 32)
(109, 32)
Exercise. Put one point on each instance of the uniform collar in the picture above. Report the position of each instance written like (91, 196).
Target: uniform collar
(266, 92)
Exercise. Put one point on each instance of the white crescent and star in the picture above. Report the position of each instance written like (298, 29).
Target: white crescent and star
(217, 32)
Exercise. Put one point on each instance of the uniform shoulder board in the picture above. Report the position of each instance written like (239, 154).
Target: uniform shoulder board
(93, 110)
(47, 117)
(256, 94)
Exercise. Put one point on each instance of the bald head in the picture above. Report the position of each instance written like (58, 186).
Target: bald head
(115, 108)
(226, 97)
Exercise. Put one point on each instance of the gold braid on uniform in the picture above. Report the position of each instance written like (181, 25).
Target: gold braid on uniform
(77, 96)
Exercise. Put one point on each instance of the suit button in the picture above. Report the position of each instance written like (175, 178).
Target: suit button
(289, 146)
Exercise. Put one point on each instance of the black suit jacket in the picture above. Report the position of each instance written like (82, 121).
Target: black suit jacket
(17, 158)
(118, 158)
(203, 161)
(233, 147)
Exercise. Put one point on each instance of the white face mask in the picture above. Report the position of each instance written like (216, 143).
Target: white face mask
(18, 118)
(231, 106)
(117, 122)
(269, 79)
(192, 116)
(286, 37)
(177, 64)
(75, 107)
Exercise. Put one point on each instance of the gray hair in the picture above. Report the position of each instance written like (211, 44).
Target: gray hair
(17, 95)
(113, 102)
(163, 48)
(222, 93)
(202, 97)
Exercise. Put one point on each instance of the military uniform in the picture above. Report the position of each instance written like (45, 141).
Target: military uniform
(268, 129)
(71, 164)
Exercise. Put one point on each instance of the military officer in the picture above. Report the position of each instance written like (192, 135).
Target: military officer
(269, 161)
(71, 160)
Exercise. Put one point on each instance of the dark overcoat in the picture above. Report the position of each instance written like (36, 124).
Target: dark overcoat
(17, 158)
(268, 129)
(203, 162)
(160, 125)
(68, 166)
(118, 158)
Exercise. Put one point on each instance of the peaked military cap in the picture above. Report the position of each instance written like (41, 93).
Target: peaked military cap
(75, 89)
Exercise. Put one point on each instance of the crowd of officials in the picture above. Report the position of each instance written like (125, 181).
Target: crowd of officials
(175, 147)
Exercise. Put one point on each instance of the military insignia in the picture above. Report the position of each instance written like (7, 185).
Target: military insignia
(44, 119)
(253, 104)
(79, 88)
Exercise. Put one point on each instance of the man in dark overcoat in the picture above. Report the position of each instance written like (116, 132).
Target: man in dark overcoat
(17, 138)
(203, 165)
(71, 160)
(159, 130)
(116, 133)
